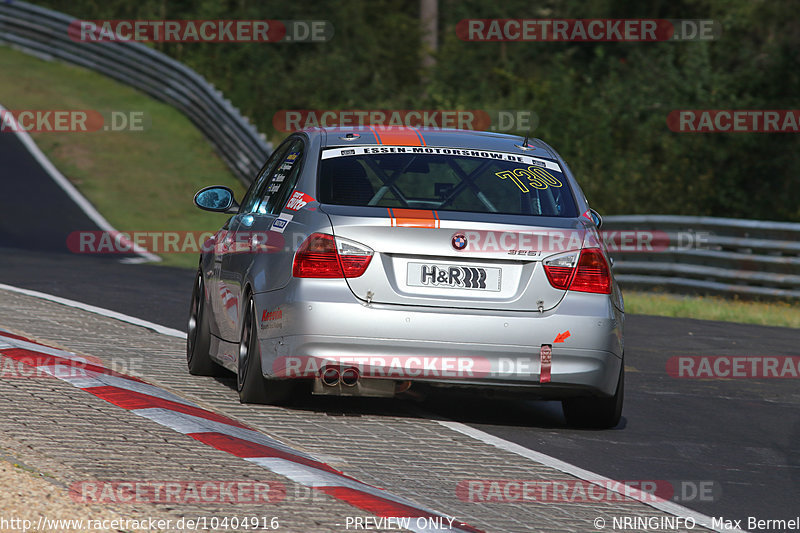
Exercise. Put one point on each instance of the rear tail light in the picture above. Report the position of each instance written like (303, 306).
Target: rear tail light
(355, 257)
(559, 269)
(326, 256)
(584, 272)
(593, 274)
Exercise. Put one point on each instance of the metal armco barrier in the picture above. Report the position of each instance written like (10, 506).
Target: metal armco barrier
(43, 32)
(748, 258)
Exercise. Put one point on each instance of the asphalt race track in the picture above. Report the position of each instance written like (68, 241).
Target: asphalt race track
(158, 295)
(37, 213)
(37, 218)
(740, 437)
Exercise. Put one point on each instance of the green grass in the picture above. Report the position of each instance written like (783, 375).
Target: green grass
(713, 308)
(139, 181)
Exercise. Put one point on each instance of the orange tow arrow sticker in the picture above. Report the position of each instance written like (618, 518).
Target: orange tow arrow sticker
(561, 337)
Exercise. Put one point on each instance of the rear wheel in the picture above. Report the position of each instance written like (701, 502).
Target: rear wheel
(250, 382)
(198, 340)
(596, 413)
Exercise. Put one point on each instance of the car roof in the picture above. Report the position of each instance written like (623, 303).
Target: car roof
(450, 138)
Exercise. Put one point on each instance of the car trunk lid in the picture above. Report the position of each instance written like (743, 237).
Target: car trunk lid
(456, 259)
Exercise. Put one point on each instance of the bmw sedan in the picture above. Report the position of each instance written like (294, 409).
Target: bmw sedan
(371, 261)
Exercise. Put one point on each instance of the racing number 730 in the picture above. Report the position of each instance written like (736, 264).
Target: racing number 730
(537, 177)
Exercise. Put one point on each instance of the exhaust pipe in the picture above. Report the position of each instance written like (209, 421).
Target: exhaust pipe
(350, 377)
(340, 380)
(330, 376)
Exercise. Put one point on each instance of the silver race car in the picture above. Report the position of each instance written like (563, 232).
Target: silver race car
(368, 261)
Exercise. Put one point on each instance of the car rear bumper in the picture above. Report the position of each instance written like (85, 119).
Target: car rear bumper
(444, 347)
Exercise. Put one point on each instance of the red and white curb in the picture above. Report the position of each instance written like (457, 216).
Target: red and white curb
(225, 434)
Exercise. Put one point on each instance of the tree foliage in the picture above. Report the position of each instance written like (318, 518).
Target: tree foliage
(602, 105)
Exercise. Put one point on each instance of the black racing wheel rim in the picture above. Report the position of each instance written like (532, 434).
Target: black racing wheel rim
(194, 319)
(246, 346)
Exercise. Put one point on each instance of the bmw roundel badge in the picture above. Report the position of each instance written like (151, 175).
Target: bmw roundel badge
(459, 241)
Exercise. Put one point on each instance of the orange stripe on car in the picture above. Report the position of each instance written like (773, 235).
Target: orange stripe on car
(413, 218)
(397, 136)
(376, 134)
(419, 134)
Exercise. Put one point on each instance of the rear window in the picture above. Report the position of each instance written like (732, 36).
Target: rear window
(445, 179)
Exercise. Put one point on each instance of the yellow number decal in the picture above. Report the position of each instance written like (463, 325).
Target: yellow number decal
(535, 181)
(544, 176)
(508, 174)
(537, 177)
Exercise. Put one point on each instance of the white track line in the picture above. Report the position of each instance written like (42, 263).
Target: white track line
(97, 310)
(586, 475)
(557, 464)
(68, 188)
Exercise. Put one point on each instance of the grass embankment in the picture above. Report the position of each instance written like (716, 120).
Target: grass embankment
(138, 180)
(713, 308)
(145, 181)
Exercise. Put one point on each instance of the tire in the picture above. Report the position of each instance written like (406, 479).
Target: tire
(596, 413)
(198, 337)
(250, 382)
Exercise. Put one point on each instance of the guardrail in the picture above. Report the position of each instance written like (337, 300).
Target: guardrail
(748, 258)
(43, 32)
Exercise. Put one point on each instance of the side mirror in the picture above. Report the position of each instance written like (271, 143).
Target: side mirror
(216, 198)
(596, 218)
